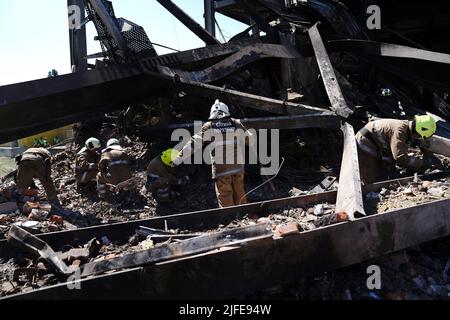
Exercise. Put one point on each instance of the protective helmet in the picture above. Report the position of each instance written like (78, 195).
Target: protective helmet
(93, 144)
(168, 156)
(219, 110)
(112, 142)
(425, 126)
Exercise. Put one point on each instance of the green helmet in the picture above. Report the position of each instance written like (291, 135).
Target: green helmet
(168, 156)
(425, 126)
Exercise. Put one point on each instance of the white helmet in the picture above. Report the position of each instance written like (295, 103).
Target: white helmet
(93, 144)
(113, 142)
(219, 110)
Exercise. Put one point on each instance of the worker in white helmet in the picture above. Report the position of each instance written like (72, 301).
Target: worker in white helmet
(226, 155)
(114, 167)
(86, 163)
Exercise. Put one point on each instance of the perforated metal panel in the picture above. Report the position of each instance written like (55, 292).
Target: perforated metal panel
(136, 38)
(134, 35)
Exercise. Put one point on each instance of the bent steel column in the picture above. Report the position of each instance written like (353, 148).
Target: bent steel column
(349, 195)
(338, 103)
(190, 23)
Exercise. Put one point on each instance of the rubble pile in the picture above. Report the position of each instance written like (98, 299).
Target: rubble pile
(418, 273)
(409, 195)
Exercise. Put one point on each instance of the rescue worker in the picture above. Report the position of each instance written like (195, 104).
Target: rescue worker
(384, 143)
(35, 163)
(86, 163)
(227, 136)
(114, 167)
(161, 177)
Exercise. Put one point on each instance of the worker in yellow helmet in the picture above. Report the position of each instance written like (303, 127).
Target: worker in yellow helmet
(384, 143)
(161, 177)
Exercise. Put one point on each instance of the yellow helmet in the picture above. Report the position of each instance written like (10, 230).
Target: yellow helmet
(168, 156)
(425, 126)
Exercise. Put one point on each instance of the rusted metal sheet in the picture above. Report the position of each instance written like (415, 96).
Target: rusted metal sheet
(338, 103)
(349, 195)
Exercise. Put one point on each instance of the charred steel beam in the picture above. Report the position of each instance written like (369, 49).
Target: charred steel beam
(77, 36)
(313, 120)
(31, 243)
(250, 10)
(190, 23)
(235, 62)
(196, 55)
(246, 99)
(210, 19)
(437, 144)
(204, 219)
(267, 262)
(420, 67)
(176, 250)
(24, 107)
(338, 103)
(349, 195)
(111, 25)
(381, 49)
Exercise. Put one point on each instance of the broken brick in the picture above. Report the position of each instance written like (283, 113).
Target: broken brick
(4, 218)
(8, 207)
(286, 229)
(57, 219)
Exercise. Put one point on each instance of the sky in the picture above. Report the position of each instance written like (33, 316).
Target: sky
(34, 36)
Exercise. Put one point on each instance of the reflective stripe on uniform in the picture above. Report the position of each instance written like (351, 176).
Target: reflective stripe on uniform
(83, 177)
(229, 172)
(118, 163)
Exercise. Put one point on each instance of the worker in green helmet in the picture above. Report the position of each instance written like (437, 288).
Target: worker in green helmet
(384, 143)
(161, 177)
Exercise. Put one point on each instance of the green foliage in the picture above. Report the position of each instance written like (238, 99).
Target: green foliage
(41, 143)
(56, 140)
(53, 73)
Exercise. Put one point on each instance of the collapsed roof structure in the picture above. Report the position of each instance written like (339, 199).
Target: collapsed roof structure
(300, 64)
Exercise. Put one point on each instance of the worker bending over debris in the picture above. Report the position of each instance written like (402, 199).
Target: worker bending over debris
(35, 163)
(114, 168)
(383, 143)
(86, 163)
(161, 177)
(227, 160)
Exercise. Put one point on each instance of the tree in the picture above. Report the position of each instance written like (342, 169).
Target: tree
(53, 73)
